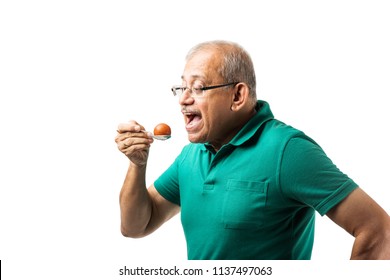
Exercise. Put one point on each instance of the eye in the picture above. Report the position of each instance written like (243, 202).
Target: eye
(197, 85)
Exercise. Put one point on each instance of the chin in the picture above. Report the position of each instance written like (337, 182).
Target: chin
(193, 138)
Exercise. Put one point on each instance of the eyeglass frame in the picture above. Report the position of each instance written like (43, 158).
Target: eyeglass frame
(174, 88)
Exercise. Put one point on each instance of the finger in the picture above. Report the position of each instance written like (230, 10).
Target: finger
(125, 142)
(124, 145)
(134, 149)
(131, 126)
(124, 136)
(137, 140)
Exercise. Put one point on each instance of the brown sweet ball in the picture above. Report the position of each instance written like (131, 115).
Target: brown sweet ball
(162, 129)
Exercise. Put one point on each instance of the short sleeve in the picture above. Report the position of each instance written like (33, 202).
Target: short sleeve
(309, 177)
(168, 183)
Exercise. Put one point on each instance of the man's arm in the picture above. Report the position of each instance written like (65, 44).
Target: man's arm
(363, 218)
(142, 210)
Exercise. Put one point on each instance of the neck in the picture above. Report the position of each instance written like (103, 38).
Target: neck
(243, 121)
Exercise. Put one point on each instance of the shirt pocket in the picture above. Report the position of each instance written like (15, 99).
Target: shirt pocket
(244, 204)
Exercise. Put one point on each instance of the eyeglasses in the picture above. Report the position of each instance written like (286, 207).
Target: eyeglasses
(196, 92)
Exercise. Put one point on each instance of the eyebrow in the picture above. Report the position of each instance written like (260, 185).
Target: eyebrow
(195, 77)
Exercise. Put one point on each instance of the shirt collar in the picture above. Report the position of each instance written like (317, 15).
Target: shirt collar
(263, 115)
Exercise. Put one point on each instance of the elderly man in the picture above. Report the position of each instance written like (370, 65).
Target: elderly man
(247, 185)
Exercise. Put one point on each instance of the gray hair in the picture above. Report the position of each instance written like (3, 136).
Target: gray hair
(237, 65)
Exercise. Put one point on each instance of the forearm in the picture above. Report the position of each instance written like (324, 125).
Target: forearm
(135, 202)
(372, 245)
(369, 223)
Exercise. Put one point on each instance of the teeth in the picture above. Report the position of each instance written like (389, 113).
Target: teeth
(189, 112)
(190, 115)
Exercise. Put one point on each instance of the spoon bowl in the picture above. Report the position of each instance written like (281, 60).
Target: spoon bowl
(157, 137)
(161, 137)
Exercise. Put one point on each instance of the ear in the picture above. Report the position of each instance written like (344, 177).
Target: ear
(240, 97)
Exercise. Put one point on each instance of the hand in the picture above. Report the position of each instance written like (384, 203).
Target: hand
(134, 142)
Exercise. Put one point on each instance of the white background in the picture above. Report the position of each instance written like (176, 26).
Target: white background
(71, 71)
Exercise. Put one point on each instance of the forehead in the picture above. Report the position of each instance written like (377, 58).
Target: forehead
(203, 65)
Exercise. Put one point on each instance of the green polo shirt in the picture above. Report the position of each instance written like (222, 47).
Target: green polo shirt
(256, 197)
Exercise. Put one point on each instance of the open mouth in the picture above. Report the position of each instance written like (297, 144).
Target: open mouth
(192, 119)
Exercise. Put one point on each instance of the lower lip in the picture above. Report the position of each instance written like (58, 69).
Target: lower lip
(193, 125)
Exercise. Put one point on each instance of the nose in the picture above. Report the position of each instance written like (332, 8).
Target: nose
(185, 98)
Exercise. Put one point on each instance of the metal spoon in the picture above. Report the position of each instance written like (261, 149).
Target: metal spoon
(158, 137)
(161, 137)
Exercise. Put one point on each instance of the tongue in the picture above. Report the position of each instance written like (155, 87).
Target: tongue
(195, 120)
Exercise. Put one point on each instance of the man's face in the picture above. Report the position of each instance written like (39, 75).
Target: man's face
(206, 117)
